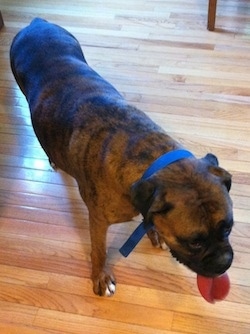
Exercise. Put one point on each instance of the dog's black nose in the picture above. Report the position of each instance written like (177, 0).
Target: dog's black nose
(223, 262)
(217, 262)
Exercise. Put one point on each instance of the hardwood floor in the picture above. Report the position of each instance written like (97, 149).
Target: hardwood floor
(196, 84)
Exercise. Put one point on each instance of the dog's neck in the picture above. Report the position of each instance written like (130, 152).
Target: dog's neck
(165, 160)
(160, 163)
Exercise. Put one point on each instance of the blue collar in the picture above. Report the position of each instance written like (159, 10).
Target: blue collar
(162, 162)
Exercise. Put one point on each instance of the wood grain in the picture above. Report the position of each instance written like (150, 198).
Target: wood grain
(193, 82)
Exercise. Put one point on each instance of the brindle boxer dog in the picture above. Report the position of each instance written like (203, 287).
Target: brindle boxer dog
(88, 130)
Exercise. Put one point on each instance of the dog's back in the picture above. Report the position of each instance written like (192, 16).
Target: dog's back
(65, 94)
(44, 54)
(50, 68)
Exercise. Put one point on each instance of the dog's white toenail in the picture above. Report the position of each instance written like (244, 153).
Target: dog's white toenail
(107, 292)
(112, 287)
(110, 290)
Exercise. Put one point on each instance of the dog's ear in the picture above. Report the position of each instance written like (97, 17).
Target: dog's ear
(148, 198)
(142, 193)
(211, 159)
(225, 177)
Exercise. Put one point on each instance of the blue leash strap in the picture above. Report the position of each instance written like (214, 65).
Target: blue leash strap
(163, 161)
(135, 237)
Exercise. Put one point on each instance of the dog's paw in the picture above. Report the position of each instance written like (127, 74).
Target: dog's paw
(156, 240)
(104, 284)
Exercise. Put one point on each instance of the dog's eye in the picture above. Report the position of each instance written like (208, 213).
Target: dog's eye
(226, 231)
(196, 244)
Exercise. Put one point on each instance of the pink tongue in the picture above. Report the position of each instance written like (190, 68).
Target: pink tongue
(213, 289)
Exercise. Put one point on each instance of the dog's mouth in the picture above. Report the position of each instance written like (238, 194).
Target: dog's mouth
(174, 255)
(206, 266)
(211, 287)
(180, 259)
(193, 265)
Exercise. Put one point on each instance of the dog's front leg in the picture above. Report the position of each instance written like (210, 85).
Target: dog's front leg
(102, 277)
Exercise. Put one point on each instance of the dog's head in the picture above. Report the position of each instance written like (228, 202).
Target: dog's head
(190, 206)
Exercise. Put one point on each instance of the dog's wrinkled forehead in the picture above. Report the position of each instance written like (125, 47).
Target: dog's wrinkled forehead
(202, 193)
(200, 197)
(207, 209)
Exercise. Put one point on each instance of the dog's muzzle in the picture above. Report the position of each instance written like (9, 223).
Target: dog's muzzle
(211, 264)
